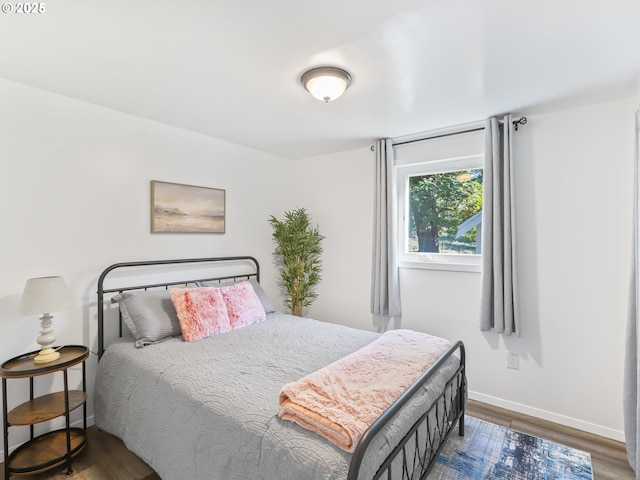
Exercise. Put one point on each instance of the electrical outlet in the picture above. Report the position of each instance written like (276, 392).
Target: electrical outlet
(513, 361)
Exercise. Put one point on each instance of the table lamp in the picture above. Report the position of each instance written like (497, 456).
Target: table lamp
(41, 296)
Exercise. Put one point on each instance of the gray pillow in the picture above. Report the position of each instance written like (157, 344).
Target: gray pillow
(264, 299)
(150, 315)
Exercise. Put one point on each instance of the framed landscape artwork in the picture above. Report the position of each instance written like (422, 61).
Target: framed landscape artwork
(177, 208)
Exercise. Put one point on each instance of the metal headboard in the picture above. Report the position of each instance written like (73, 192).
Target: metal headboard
(255, 273)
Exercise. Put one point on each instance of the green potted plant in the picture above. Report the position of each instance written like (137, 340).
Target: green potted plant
(298, 252)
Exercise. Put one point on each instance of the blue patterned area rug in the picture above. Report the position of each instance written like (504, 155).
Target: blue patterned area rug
(489, 452)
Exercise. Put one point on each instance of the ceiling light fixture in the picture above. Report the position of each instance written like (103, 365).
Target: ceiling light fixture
(326, 83)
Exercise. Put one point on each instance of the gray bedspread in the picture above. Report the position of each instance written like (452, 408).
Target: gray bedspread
(209, 409)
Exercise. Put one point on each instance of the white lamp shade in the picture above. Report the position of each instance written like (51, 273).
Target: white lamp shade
(45, 295)
(326, 83)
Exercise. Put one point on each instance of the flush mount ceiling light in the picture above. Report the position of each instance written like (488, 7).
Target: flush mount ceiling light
(326, 83)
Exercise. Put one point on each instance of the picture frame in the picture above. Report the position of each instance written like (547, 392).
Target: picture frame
(180, 208)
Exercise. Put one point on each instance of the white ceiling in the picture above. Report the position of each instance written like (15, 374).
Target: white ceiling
(230, 68)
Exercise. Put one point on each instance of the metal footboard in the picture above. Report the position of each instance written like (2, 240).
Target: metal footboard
(414, 457)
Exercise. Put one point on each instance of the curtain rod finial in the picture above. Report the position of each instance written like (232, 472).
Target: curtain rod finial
(520, 121)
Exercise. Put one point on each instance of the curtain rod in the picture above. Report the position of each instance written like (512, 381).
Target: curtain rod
(519, 121)
(441, 135)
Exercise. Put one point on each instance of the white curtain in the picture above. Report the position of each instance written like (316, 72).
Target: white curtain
(385, 282)
(499, 294)
(632, 370)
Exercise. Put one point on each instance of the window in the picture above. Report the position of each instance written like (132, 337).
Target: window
(439, 207)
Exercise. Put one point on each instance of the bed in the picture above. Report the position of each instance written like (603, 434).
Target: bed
(209, 409)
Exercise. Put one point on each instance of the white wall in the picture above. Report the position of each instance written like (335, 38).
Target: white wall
(337, 190)
(74, 186)
(574, 187)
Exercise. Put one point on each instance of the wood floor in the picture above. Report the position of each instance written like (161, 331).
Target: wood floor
(106, 458)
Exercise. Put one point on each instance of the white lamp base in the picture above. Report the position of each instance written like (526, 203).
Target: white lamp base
(46, 355)
(46, 339)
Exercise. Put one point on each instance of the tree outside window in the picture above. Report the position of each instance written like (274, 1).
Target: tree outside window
(439, 204)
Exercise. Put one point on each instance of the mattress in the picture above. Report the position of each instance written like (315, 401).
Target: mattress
(209, 409)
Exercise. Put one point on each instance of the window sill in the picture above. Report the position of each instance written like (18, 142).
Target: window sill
(446, 266)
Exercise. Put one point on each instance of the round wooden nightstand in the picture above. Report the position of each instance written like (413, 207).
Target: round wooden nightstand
(54, 448)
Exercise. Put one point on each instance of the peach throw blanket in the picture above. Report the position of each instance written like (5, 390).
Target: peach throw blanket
(341, 400)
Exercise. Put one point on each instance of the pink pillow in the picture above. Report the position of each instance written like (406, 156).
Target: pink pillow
(201, 311)
(243, 305)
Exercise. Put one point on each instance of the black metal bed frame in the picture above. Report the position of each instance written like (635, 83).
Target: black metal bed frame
(152, 263)
(415, 455)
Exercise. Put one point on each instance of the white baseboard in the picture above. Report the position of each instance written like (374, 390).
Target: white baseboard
(90, 422)
(550, 416)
